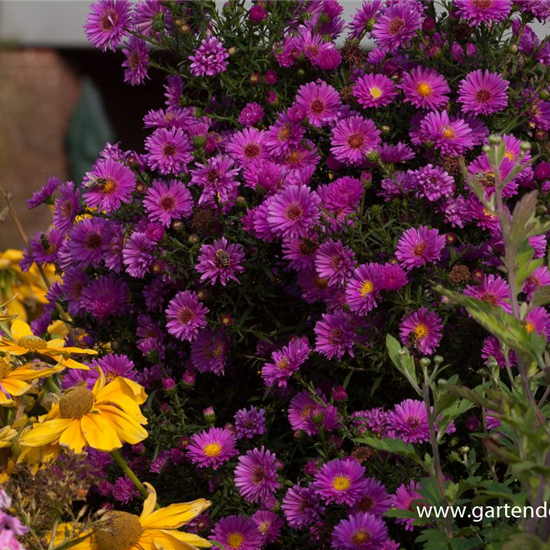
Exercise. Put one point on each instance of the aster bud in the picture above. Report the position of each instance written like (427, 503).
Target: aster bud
(201, 294)
(240, 201)
(438, 359)
(442, 382)
(199, 141)
(209, 415)
(425, 362)
(254, 79)
(486, 149)
(513, 48)
(177, 225)
(168, 384)
(231, 50)
(193, 239)
(525, 146)
(385, 130)
(495, 139)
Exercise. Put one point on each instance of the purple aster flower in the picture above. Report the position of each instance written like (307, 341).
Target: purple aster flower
(283, 136)
(374, 420)
(294, 211)
(185, 316)
(483, 93)
(113, 365)
(335, 335)
(410, 421)
(87, 241)
(493, 289)
(169, 151)
(306, 413)
(353, 138)
(397, 25)
(432, 182)
(363, 288)
(217, 178)
(538, 320)
(256, 475)
(334, 262)
(212, 448)
(136, 62)
(220, 261)
(320, 102)
(251, 114)
(425, 327)
(364, 17)
(174, 90)
(109, 185)
(66, 208)
(43, 248)
(74, 283)
(286, 362)
(136, 255)
(124, 490)
(395, 153)
(359, 532)
(488, 11)
(147, 13)
(328, 57)
(250, 423)
(209, 351)
(419, 246)
(539, 277)
(452, 137)
(392, 277)
(407, 497)
(247, 146)
(107, 23)
(301, 506)
(300, 253)
(209, 58)
(166, 202)
(237, 533)
(425, 88)
(374, 90)
(44, 194)
(268, 524)
(105, 297)
(375, 500)
(341, 481)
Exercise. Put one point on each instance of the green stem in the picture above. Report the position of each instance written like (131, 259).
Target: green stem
(128, 471)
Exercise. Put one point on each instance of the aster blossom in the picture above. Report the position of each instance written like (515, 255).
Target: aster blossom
(169, 151)
(301, 506)
(211, 448)
(237, 533)
(168, 201)
(256, 475)
(363, 288)
(220, 262)
(425, 88)
(425, 327)
(320, 102)
(489, 11)
(374, 90)
(209, 58)
(286, 362)
(185, 315)
(353, 139)
(359, 532)
(341, 481)
(419, 246)
(452, 136)
(396, 25)
(483, 93)
(107, 23)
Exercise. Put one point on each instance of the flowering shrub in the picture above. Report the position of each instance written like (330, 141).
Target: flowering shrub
(296, 202)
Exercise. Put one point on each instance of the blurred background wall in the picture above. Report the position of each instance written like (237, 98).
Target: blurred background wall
(61, 100)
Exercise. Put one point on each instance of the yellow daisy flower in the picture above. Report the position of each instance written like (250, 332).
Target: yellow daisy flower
(103, 418)
(24, 341)
(15, 380)
(152, 530)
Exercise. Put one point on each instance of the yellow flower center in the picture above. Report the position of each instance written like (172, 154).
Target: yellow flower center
(120, 531)
(375, 92)
(4, 369)
(530, 326)
(264, 527)
(235, 540)
(212, 449)
(341, 483)
(448, 133)
(510, 155)
(360, 536)
(76, 402)
(489, 214)
(32, 342)
(109, 186)
(421, 331)
(366, 288)
(424, 89)
(282, 364)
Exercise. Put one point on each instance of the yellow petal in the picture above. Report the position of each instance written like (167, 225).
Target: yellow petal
(68, 362)
(31, 372)
(15, 387)
(175, 515)
(159, 540)
(193, 540)
(149, 504)
(121, 394)
(4, 399)
(45, 433)
(123, 386)
(99, 433)
(127, 429)
(19, 329)
(72, 437)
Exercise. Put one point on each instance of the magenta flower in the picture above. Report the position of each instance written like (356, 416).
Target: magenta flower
(359, 532)
(256, 475)
(488, 11)
(320, 102)
(268, 524)
(341, 481)
(217, 179)
(251, 114)
(105, 297)
(237, 533)
(335, 335)
(306, 413)
(375, 500)
(247, 146)
(451, 136)
(169, 151)
(408, 498)
(107, 23)
(483, 93)
(166, 202)
(136, 62)
(286, 362)
(220, 262)
(425, 88)
(44, 194)
(393, 277)
(397, 25)
(374, 90)
(209, 58)
(425, 327)
(209, 351)
(212, 448)
(334, 262)
(538, 320)
(410, 421)
(283, 136)
(364, 17)
(250, 423)
(353, 138)
(301, 506)
(395, 153)
(493, 289)
(185, 316)
(137, 256)
(419, 246)
(294, 211)
(109, 185)
(363, 288)
(87, 241)
(432, 182)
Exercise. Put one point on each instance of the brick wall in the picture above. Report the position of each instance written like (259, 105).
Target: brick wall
(38, 92)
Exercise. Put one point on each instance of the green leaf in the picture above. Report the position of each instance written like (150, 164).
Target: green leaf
(524, 216)
(524, 541)
(403, 360)
(395, 446)
(540, 297)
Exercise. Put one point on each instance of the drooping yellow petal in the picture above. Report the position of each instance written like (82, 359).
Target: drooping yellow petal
(120, 394)
(175, 515)
(20, 329)
(7, 433)
(72, 437)
(32, 371)
(14, 349)
(99, 433)
(66, 532)
(45, 433)
(15, 387)
(122, 386)
(193, 540)
(68, 362)
(159, 540)
(127, 429)
(149, 504)
(4, 399)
